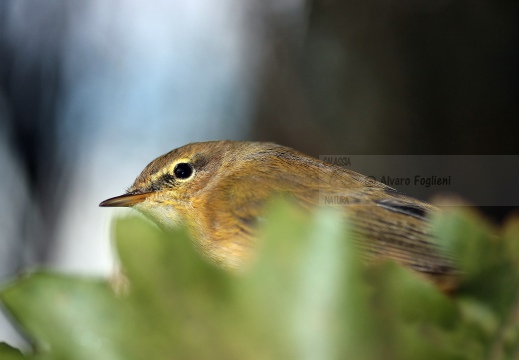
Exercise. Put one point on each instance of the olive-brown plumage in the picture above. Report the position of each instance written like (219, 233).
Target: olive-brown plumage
(218, 189)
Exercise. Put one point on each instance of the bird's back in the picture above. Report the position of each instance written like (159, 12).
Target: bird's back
(386, 223)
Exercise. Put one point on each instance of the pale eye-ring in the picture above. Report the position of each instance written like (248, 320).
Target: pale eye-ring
(183, 170)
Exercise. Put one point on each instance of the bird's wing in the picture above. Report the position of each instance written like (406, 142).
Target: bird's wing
(386, 223)
(391, 225)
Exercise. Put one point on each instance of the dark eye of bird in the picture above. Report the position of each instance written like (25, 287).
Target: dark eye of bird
(183, 170)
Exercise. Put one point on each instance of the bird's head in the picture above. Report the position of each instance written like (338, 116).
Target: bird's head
(169, 187)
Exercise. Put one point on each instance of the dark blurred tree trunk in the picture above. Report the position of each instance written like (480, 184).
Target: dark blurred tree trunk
(31, 87)
(397, 77)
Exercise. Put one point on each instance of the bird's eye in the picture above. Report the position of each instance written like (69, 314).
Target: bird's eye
(183, 170)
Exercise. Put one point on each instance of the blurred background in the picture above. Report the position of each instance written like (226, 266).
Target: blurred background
(92, 91)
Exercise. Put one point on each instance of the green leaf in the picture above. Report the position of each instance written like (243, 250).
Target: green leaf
(71, 317)
(10, 353)
(489, 292)
(305, 295)
(181, 299)
(488, 261)
(300, 290)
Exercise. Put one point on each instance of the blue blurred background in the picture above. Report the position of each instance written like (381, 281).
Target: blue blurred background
(91, 91)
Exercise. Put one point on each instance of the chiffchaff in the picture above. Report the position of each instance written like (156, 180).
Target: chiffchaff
(218, 189)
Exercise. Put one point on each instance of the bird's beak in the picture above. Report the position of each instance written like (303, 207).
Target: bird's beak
(125, 200)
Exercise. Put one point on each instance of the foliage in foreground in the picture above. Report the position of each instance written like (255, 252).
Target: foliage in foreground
(305, 297)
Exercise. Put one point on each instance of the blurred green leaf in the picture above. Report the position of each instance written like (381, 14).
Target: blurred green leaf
(303, 286)
(306, 295)
(71, 317)
(487, 260)
(9, 353)
(182, 300)
(489, 293)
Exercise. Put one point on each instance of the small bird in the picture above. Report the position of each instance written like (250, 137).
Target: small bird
(219, 188)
